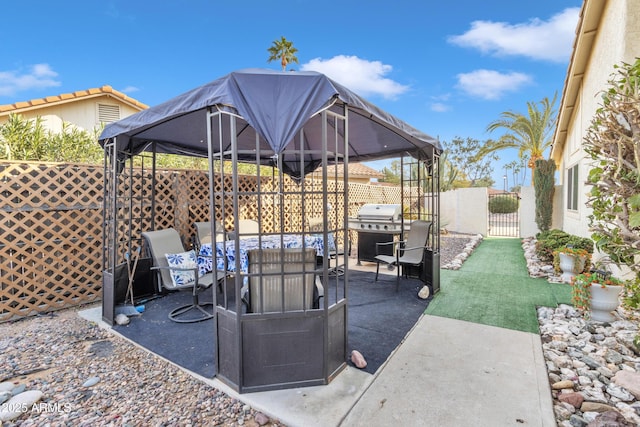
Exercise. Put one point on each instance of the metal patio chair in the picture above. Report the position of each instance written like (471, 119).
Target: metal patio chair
(164, 246)
(335, 250)
(282, 279)
(409, 252)
(203, 232)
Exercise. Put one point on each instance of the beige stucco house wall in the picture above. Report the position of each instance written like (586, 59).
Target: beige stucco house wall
(608, 33)
(86, 109)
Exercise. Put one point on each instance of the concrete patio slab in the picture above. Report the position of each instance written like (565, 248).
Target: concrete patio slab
(454, 373)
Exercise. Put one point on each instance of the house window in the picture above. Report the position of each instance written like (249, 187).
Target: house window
(108, 113)
(572, 188)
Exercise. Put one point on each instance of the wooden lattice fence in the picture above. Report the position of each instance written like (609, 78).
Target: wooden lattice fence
(51, 226)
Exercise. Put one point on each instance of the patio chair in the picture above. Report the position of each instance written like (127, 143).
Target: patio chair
(409, 252)
(177, 270)
(335, 250)
(246, 228)
(203, 232)
(282, 280)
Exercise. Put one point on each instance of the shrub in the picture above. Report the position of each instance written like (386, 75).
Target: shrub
(550, 241)
(612, 144)
(543, 183)
(503, 204)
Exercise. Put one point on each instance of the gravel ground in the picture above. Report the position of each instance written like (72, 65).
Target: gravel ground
(452, 244)
(59, 354)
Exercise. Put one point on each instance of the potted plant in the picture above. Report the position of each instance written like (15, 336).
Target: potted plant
(597, 293)
(570, 261)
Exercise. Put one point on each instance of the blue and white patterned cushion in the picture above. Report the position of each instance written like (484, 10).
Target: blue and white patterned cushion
(226, 252)
(182, 260)
(205, 262)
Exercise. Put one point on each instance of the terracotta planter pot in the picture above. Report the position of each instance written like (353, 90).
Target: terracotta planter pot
(604, 300)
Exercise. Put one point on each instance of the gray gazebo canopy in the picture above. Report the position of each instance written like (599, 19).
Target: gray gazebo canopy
(276, 105)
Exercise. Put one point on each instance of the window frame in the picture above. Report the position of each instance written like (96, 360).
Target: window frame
(573, 174)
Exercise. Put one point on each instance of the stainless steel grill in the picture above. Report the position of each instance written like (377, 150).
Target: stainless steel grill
(376, 223)
(378, 218)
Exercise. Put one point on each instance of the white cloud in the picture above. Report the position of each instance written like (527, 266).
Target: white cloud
(550, 40)
(490, 84)
(363, 77)
(39, 76)
(439, 103)
(439, 107)
(130, 89)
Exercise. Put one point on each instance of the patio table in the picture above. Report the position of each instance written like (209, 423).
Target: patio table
(228, 248)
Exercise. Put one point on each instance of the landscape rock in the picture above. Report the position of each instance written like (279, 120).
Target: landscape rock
(122, 319)
(91, 382)
(603, 368)
(358, 359)
(610, 419)
(629, 380)
(574, 399)
(456, 263)
(19, 404)
(424, 292)
(6, 386)
(562, 385)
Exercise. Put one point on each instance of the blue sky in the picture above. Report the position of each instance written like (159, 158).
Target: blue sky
(446, 68)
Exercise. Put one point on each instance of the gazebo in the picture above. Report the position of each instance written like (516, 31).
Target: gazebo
(292, 123)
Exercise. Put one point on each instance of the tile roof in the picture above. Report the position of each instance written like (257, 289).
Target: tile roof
(356, 170)
(66, 97)
(362, 170)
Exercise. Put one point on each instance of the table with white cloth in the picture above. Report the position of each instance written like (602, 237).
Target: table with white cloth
(227, 249)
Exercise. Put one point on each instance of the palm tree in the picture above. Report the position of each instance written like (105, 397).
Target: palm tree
(531, 134)
(284, 51)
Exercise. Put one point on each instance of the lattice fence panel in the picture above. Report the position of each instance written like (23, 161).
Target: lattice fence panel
(50, 237)
(51, 222)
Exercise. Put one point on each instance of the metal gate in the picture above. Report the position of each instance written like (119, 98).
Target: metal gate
(504, 217)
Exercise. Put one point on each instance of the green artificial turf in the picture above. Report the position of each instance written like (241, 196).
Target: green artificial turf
(493, 287)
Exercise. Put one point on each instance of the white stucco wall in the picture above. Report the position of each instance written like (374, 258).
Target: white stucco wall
(618, 39)
(528, 226)
(465, 210)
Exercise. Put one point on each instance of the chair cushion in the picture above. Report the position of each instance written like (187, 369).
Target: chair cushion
(182, 260)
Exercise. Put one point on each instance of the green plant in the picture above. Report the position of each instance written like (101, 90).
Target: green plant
(503, 204)
(284, 51)
(530, 133)
(543, 182)
(612, 144)
(631, 295)
(551, 240)
(581, 287)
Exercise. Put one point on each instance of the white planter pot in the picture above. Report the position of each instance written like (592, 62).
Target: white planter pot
(570, 265)
(604, 301)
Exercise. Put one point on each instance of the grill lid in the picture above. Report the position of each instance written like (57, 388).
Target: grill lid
(380, 212)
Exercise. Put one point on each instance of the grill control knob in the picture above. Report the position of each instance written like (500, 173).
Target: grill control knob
(377, 226)
(386, 227)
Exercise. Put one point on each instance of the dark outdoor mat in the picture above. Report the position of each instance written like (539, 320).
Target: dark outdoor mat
(379, 317)
(190, 345)
(378, 320)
